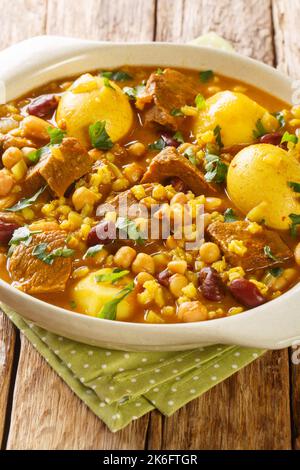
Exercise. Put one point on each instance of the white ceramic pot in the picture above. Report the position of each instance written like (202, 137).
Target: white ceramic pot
(40, 60)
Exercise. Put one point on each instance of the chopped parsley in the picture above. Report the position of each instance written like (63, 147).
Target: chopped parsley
(200, 101)
(92, 251)
(295, 221)
(269, 254)
(287, 137)
(229, 215)
(159, 71)
(109, 309)
(276, 272)
(106, 83)
(99, 137)
(189, 153)
(179, 137)
(159, 144)
(130, 228)
(217, 134)
(176, 112)
(216, 170)
(26, 202)
(40, 252)
(134, 92)
(56, 135)
(113, 276)
(259, 131)
(280, 118)
(206, 75)
(295, 186)
(117, 76)
(21, 235)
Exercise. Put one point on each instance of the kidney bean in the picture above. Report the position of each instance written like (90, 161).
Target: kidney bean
(169, 140)
(178, 184)
(6, 231)
(103, 233)
(273, 139)
(246, 293)
(42, 106)
(211, 285)
(164, 277)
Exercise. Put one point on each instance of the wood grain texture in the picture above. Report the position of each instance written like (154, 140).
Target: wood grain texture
(246, 23)
(7, 349)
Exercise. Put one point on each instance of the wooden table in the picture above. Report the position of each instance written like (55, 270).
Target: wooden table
(259, 407)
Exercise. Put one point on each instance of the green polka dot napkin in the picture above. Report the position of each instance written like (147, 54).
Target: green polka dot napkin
(122, 386)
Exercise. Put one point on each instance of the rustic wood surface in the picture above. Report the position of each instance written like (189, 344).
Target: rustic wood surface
(259, 407)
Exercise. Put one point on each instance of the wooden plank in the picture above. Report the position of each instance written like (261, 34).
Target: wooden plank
(45, 409)
(247, 24)
(239, 413)
(287, 45)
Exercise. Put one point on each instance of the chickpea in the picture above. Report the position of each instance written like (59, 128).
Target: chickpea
(36, 128)
(6, 183)
(192, 311)
(11, 156)
(83, 196)
(143, 262)
(212, 204)
(209, 252)
(137, 149)
(176, 283)
(179, 266)
(124, 257)
(283, 281)
(179, 198)
(161, 260)
(297, 254)
(143, 277)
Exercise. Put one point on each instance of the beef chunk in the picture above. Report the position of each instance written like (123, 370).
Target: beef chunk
(59, 167)
(254, 258)
(32, 275)
(166, 92)
(169, 163)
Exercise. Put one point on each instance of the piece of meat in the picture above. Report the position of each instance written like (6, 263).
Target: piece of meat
(223, 233)
(59, 167)
(166, 92)
(32, 275)
(169, 163)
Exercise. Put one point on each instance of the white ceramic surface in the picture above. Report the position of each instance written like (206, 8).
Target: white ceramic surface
(42, 59)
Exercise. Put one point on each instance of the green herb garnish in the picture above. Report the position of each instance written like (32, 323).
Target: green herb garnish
(56, 135)
(189, 153)
(21, 235)
(92, 251)
(40, 252)
(106, 83)
(134, 92)
(260, 130)
(276, 272)
(295, 219)
(159, 71)
(295, 186)
(159, 144)
(269, 254)
(99, 137)
(109, 309)
(200, 101)
(217, 134)
(280, 118)
(130, 228)
(229, 216)
(113, 276)
(206, 75)
(287, 137)
(216, 170)
(117, 76)
(179, 137)
(26, 202)
(176, 112)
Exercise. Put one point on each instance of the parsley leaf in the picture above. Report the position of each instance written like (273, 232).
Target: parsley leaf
(159, 144)
(109, 309)
(260, 130)
(40, 252)
(56, 135)
(287, 137)
(200, 101)
(130, 228)
(117, 76)
(99, 137)
(269, 254)
(216, 170)
(21, 235)
(276, 272)
(106, 83)
(229, 215)
(179, 137)
(92, 251)
(113, 276)
(295, 219)
(294, 186)
(159, 71)
(189, 153)
(280, 118)
(36, 155)
(23, 203)
(176, 112)
(134, 92)
(206, 75)
(217, 134)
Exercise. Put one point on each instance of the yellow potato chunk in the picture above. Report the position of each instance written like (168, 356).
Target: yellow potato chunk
(90, 99)
(90, 295)
(236, 114)
(258, 184)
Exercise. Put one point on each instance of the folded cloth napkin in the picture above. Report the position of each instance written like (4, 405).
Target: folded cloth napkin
(121, 386)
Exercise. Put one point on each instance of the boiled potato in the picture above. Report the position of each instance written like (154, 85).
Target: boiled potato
(90, 295)
(236, 114)
(258, 184)
(87, 101)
